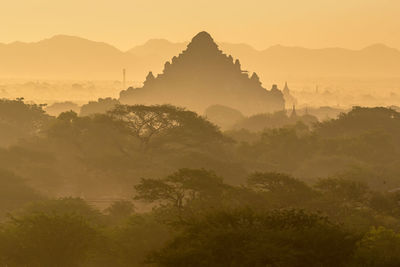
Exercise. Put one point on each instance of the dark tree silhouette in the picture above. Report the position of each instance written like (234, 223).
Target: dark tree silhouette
(148, 122)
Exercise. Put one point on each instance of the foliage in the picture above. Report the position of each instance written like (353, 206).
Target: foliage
(58, 107)
(101, 106)
(279, 119)
(345, 190)
(379, 247)
(20, 120)
(148, 122)
(14, 193)
(65, 207)
(46, 240)
(244, 238)
(120, 210)
(281, 189)
(135, 239)
(292, 196)
(183, 193)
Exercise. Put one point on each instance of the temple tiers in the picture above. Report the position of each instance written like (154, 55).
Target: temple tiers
(201, 76)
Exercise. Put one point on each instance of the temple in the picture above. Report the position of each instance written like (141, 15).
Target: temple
(201, 76)
(290, 100)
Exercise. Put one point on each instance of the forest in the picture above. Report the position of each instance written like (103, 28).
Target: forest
(160, 185)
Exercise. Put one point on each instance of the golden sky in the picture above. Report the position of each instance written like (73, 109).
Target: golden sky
(261, 23)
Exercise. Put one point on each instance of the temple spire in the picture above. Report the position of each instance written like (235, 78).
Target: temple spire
(149, 79)
(294, 114)
(286, 90)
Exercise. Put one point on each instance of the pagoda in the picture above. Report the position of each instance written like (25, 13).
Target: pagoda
(201, 76)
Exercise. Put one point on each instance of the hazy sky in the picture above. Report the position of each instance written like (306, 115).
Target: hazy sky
(261, 23)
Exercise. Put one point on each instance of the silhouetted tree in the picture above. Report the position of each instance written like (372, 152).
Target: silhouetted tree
(148, 122)
(183, 194)
(180, 188)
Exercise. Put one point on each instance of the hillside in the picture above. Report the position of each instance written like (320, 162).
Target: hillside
(64, 57)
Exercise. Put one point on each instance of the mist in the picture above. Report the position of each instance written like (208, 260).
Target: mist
(204, 148)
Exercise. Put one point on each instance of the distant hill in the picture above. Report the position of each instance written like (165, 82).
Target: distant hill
(65, 57)
(158, 47)
(375, 60)
(69, 57)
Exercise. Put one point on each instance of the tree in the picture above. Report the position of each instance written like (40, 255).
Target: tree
(223, 116)
(284, 148)
(281, 189)
(41, 240)
(58, 107)
(102, 105)
(148, 122)
(275, 182)
(379, 247)
(345, 191)
(19, 120)
(14, 192)
(135, 239)
(93, 136)
(120, 210)
(144, 122)
(182, 190)
(246, 238)
(65, 207)
(361, 120)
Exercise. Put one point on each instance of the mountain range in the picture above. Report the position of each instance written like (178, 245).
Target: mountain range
(75, 58)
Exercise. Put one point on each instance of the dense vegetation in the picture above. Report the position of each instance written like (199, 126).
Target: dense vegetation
(163, 186)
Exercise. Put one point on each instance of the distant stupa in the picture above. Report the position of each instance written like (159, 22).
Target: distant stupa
(290, 100)
(201, 76)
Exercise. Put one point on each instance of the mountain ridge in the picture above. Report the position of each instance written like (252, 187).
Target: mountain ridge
(72, 57)
(58, 37)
